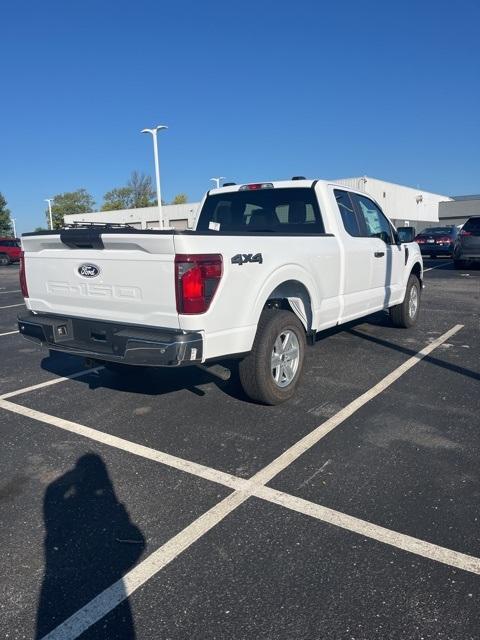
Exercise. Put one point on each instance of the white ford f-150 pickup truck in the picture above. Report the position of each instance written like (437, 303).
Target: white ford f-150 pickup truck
(267, 266)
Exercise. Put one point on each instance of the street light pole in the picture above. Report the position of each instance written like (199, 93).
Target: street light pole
(217, 180)
(154, 132)
(14, 227)
(49, 200)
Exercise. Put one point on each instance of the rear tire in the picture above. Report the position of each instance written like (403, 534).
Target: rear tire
(459, 264)
(405, 315)
(271, 372)
(4, 259)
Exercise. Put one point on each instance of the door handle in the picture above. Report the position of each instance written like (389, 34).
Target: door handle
(379, 254)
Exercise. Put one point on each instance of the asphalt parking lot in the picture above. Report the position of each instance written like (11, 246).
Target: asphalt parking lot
(168, 506)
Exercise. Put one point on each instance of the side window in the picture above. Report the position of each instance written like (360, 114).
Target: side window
(375, 221)
(349, 217)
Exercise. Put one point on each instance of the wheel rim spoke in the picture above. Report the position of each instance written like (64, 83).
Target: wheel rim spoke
(278, 348)
(288, 371)
(291, 354)
(413, 302)
(285, 358)
(276, 360)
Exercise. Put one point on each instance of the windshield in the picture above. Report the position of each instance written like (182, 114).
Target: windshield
(291, 210)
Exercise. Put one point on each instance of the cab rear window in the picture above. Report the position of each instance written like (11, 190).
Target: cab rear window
(293, 210)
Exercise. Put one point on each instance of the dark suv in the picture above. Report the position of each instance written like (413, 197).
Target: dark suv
(435, 241)
(9, 250)
(467, 246)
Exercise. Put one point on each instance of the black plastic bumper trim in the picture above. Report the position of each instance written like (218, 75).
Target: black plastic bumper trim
(112, 341)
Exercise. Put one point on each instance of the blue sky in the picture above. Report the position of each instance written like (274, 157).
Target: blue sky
(250, 90)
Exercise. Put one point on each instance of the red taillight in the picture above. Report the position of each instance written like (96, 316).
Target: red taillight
(420, 240)
(465, 233)
(443, 239)
(23, 278)
(196, 279)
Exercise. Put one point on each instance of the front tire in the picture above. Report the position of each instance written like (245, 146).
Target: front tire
(271, 372)
(406, 314)
(459, 264)
(4, 259)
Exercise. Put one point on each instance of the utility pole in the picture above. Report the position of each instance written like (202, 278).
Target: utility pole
(217, 181)
(153, 133)
(49, 200)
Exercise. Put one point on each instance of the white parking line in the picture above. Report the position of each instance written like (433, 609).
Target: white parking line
(12, 291)
(252, 488)
(10, 306)
(193, 468)
(436, 266)
(8, 333)
(113, 595)
(48, 383)
(373, 531)
(107, 600)
(291, 454)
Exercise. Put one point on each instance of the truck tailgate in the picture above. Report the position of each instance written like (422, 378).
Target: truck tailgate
(119, 277)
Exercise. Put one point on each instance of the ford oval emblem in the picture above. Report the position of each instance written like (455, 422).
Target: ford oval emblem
(89, 270)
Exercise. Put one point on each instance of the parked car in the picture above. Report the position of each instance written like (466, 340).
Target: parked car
(437, 241)
(10, 250)
(267, 266)
(467, 245)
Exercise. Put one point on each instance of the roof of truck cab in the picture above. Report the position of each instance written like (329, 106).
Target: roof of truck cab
(282, 184)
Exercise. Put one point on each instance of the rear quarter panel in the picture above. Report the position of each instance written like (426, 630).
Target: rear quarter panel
(230, 323)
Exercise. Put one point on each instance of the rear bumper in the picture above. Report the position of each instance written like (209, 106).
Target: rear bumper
(428, 249)
(112, 341)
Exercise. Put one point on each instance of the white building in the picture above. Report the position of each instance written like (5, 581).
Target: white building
(458, 210)
(405, 206)
(179, 216)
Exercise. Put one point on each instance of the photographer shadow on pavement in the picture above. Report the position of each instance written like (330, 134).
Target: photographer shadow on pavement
(90, 543)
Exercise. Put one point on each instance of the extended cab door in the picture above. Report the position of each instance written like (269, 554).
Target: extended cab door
(387, 259)
(357, 251)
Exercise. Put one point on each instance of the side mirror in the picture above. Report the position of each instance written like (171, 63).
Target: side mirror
(406, 234)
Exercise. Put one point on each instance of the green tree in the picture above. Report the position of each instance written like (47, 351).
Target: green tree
(143, 193)
(64, 204)
(118, 198)
(180, 198)
(136, 194)
(6, 227)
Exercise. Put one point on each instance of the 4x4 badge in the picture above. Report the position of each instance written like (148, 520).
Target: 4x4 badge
(242, 258)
